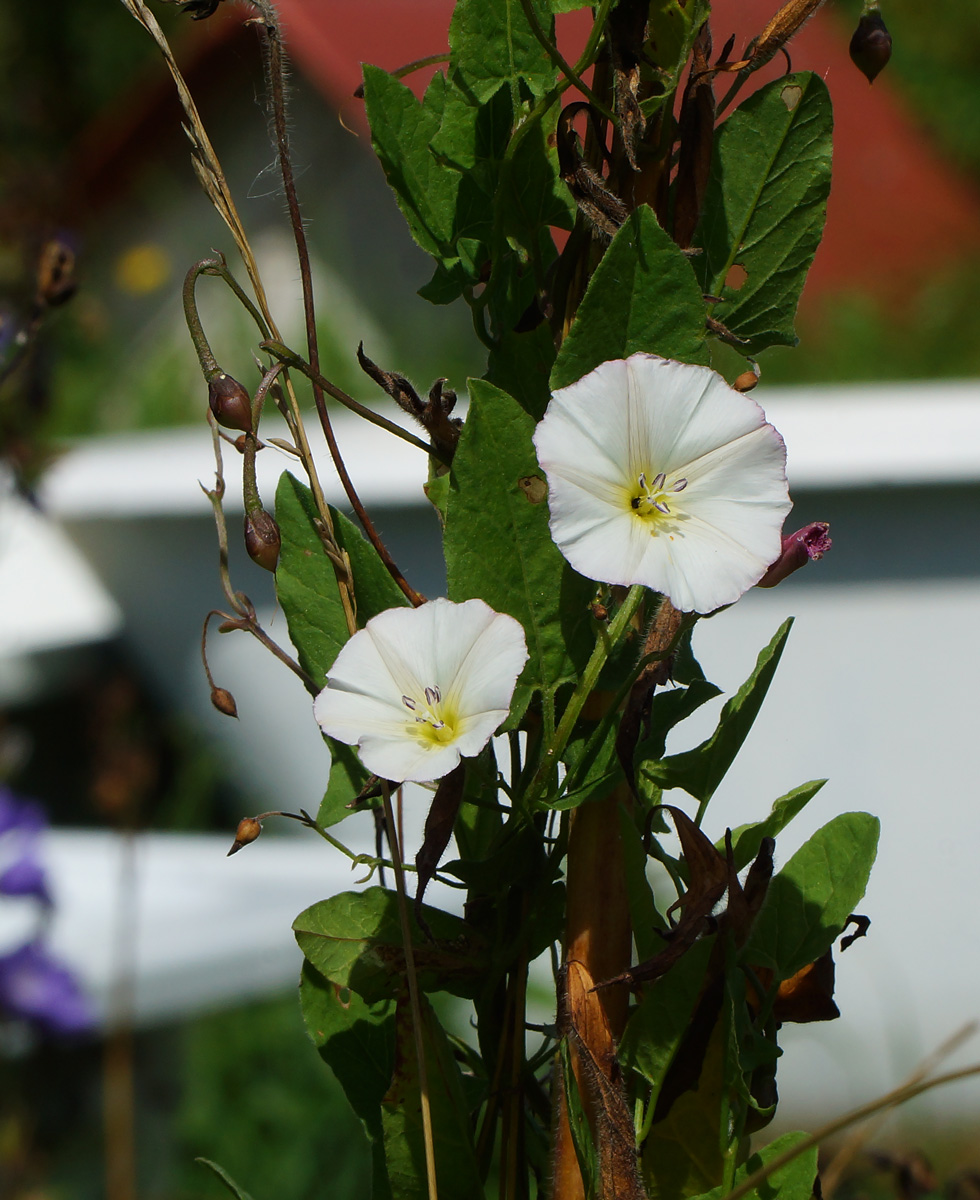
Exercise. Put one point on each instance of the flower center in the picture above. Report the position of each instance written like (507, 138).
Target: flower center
(434, 723)
(653, 500)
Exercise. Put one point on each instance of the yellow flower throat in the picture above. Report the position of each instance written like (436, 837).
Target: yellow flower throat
(435, 722)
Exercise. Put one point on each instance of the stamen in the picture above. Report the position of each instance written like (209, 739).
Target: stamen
(408, 702)
(432, 695)
(643, 480)
(679, 486)
(659, 482)
(660, 506)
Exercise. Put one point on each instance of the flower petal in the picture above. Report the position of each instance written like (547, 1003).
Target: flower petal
(382, 682)
(603, 442)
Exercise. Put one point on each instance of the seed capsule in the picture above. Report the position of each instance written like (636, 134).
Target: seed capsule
(229, 402)
(871, 45)
(224, 701)
(262, 539)
(248, 830)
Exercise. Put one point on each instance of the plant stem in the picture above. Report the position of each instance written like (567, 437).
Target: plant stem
(272, 46)
(413, 991)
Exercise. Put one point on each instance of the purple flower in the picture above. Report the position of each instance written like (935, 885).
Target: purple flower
(34, 987)
(25, 877)
(24, 816)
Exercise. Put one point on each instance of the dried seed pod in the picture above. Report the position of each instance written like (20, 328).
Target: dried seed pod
(746, 381)
(871, 45)
(248, 830)
(262, 539)
(229, 402)
(224, 701)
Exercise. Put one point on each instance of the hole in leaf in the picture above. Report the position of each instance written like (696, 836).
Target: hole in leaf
(736, 277)
(534, 487)
(791, 95)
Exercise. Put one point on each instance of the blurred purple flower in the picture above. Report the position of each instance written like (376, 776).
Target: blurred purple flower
(25, 877)
(34, 987)
(24, 816)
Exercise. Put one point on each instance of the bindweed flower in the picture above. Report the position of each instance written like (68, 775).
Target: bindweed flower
(661, 474)
(418, 688)
(35, 988)
(808, 544)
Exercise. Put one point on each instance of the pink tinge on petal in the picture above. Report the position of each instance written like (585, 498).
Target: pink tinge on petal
(810, 542)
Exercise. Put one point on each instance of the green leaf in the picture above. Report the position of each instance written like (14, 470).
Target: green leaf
(674, 25)
(348, 775)
(682, 1154)
(701, 770)
(493, 44)
(794, 1181)
(747, 839)
(645, 918)
(654, 1032)
(521, 365)
(593, 767)
(225, 1178)
(401, 130)
(307, 586)
(578, 1123)
(354, 940)
(457, 1173)
(643, 296)
(357, 1041)
(809, 901)
(668, 709)
(765, 208)
(498, 544)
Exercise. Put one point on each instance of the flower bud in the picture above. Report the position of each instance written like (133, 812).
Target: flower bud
(871, 45)
(812, 541)
(229, 402)
(224, 701)
(262, 540)
(248, 830)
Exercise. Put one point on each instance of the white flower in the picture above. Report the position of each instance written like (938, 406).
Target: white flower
(661, 474)
(418, 688)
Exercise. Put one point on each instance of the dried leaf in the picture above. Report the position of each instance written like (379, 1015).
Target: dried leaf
(438, 830)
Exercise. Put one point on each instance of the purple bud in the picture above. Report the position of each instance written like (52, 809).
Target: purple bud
(262, 539)
(229, 402)
(34, 987)
(812, 541)
(871, 45)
